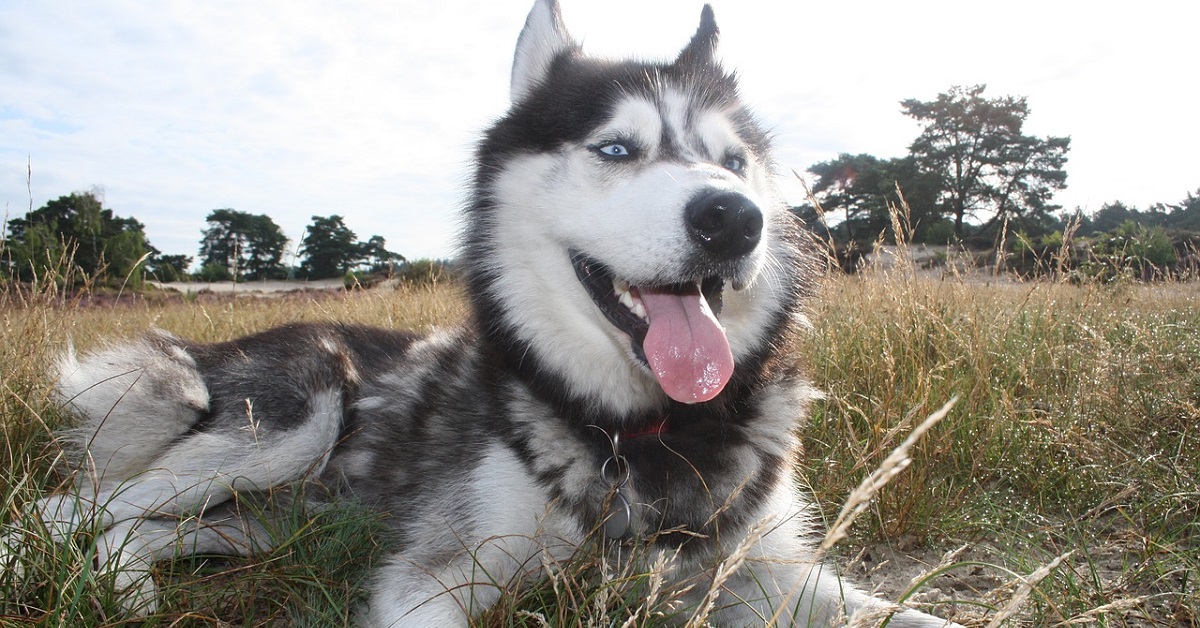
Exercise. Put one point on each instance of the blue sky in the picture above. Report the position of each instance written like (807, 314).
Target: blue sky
(369, 109)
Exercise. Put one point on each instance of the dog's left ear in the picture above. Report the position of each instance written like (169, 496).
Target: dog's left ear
(542, 40)
(701, 51)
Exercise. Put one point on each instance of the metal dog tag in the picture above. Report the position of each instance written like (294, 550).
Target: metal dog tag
(615, 472)
(616, 520)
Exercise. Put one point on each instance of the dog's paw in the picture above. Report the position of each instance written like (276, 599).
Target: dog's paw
(125, 555)
(11, 556)
(56, 518)
(66, 514)
(137, 595)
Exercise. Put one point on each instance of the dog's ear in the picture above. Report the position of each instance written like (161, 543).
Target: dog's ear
(701, 51)
(542, 40)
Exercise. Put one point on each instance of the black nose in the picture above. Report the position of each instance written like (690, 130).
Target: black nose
(726, 225)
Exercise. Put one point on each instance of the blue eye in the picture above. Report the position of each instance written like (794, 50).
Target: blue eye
(615, 151)
(735, 164)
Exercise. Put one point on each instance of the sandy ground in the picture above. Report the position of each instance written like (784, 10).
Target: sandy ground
(890, 570)
(248, 287)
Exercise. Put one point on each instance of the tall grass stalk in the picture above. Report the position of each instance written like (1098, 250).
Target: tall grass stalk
(895, 463)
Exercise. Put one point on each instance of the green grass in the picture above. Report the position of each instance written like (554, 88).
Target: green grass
(1075, 430)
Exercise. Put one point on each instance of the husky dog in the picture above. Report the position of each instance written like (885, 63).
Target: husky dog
(635, 280)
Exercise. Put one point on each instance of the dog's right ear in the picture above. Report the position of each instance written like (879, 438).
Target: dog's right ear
(542, 40)
(701, 51)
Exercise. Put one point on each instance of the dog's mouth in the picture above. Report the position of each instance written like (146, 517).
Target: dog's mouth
(674, 328)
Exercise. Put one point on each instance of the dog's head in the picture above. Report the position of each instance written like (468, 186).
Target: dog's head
(627, 240)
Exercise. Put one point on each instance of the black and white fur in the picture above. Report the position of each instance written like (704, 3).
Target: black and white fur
(485, 444)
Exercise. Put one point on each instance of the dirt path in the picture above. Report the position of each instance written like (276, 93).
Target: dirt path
(249, 287)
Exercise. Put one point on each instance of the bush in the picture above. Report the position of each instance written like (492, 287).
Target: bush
(213, 273)
(1131, 251)
(426, 271)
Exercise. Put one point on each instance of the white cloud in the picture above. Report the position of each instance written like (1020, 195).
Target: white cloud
(370, 109)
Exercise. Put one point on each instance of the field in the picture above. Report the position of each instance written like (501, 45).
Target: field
(1066, 476)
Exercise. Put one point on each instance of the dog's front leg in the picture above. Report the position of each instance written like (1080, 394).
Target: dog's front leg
(419, 592)
(780, 583)
(489, 536)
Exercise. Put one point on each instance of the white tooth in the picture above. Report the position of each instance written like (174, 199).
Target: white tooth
(639, 310)
(620, 286)
(627, 299)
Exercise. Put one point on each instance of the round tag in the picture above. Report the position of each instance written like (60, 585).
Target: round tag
(616, 520)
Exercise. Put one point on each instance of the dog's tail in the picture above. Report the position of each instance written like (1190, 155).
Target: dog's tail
(135, 399)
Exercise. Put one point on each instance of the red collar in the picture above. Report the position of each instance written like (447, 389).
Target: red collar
(650, 429)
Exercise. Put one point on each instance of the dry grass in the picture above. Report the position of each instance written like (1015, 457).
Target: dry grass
(1076, 431)
(1071, 455)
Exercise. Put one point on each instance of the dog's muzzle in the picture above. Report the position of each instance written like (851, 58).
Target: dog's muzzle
(673, 328)
(673, 323)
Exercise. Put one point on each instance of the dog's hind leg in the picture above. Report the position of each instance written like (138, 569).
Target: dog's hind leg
(183, 504)
(179, 503)
(128, 550)
(156, 441)
(161, 452)
(205, 469)
(135, 399)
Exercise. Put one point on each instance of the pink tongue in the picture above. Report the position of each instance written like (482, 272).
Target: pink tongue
(685, 346)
